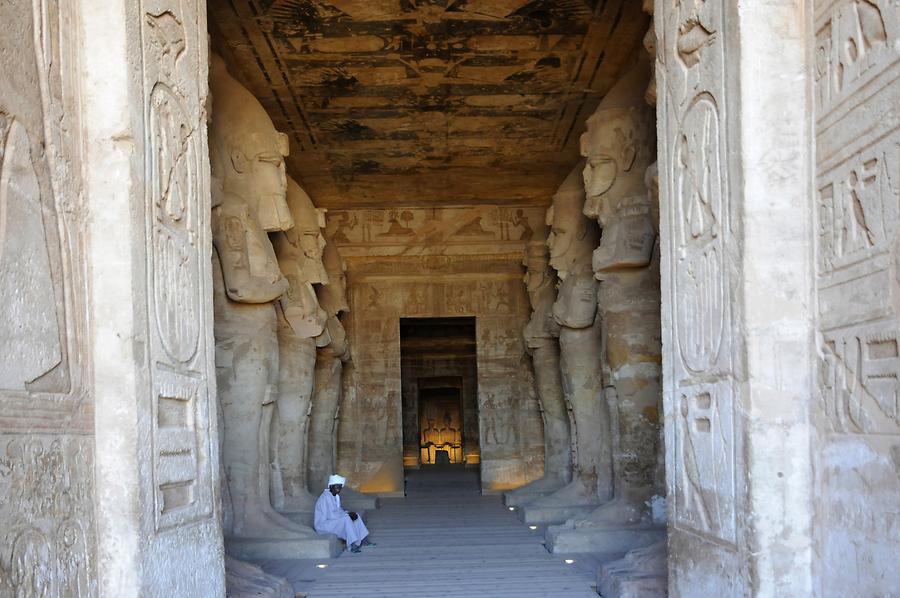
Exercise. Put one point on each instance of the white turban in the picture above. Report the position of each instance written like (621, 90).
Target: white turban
(336, 479)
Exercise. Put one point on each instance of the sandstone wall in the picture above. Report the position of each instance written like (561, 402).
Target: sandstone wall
(47, 529)
(144, 94)
(857, 206)
(108, 461)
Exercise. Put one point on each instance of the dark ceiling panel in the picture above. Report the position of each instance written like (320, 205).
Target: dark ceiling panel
(441, 102)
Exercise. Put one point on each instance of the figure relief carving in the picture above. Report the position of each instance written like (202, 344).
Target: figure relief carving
(704, 433)
(28, 316)
(72, 560)
(861, 379)
(693, 80)
(45, 547)
(858, 208)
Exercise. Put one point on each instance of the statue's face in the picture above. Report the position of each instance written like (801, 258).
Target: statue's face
(559, 240)
(312, 244)
(599, 175)
(535, 277)
(608, 147)
(269, 183)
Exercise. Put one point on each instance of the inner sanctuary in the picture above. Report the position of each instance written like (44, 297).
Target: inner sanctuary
(550, 298)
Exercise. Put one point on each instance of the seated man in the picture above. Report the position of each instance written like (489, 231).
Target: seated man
(330, 518)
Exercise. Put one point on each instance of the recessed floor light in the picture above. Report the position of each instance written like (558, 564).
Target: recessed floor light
(569, 561)
(532, 527)
(321, 566)
(512, 508)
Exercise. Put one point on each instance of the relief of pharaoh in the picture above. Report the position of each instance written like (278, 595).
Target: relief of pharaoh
(619, 146)
(542, 344)
(301, 321)
(572, 239)
(329, 367)
(247, 163)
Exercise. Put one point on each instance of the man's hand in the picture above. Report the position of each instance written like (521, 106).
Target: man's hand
(353, 516)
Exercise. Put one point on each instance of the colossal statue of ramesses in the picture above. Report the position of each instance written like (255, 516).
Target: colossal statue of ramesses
(619, 146)
(572, 239)
(301, 321)
(542, 344)
(329, 366)
(247, 161)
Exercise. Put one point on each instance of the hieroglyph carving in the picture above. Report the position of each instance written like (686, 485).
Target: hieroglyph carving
(49, 554)
(697, 277)
(858, 211)
(178, 261)
(853, 45)
(46, 461)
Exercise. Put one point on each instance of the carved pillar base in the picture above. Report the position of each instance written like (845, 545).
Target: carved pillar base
(243, 580)
(641, 572)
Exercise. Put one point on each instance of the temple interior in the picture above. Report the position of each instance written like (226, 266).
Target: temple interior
(578, 297)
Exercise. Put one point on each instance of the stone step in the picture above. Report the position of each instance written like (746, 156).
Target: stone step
(564, 539)
(553, 515)
(313, 547)
(450, 544)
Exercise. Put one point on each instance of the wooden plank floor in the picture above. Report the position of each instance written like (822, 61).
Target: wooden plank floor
(444, 539)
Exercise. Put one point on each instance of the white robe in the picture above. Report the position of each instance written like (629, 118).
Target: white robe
(330, 518)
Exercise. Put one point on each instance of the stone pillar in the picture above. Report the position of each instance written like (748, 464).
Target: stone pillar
(246, 154)
(572, 239)
(543, 347)
(736, 245)
(619, 145)
(331, 356)
(301, 326)
(143, 73)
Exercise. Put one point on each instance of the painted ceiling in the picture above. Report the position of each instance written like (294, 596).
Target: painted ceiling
(429, 102)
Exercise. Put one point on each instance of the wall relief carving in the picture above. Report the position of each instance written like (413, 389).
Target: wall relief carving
(46, 459)
(698, 272)
(176, 221)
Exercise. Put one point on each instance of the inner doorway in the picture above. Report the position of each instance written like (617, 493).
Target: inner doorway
(440, 426)
(439, 373)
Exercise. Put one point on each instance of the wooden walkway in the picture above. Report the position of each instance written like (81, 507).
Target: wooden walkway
(444, 539)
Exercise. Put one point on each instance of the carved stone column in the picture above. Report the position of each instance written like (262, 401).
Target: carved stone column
(619, 144)
(736, 210)
(543, 346)
(246, 156)
(572, 239)
(301, 322)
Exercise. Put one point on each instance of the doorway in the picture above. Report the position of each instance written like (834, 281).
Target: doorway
(438, 369)
(440, 426)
